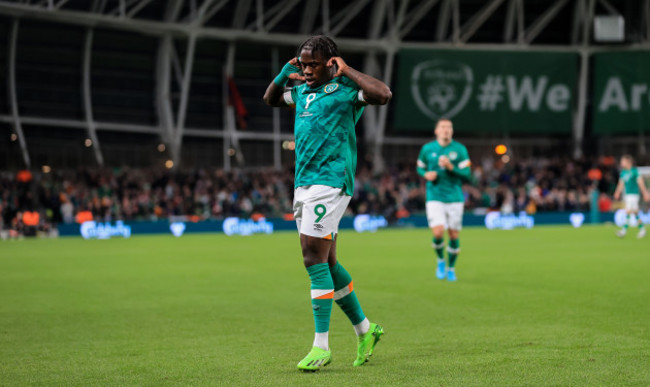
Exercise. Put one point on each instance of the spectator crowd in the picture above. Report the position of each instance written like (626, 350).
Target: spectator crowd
(531, 185)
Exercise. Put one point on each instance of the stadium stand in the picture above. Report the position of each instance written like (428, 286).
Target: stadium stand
(531, 185)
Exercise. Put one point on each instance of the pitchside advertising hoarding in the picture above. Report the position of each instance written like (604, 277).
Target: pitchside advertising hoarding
(360, 223)
(621, 103)
(229, 226)
(495, 92)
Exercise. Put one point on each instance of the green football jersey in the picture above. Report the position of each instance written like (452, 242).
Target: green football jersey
(447, 187)
(326, 145)
(630, 179)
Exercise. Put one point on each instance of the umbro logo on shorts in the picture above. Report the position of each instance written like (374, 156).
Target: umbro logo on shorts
(318, 227)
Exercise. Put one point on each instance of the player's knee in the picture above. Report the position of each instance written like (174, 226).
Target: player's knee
(314, 251)
(453, 234)
(309, 260)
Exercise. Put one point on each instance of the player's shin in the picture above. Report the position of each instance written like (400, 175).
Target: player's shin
(453, 250)
(439, 246)
(322, 294)
(347, 300)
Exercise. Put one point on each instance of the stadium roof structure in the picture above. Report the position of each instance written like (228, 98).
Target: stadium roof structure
(175, 31)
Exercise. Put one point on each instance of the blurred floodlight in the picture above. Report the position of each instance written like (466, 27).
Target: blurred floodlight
(161, 148)
(501, 149)
(505, 159)
(47, 169)
(88, 143)
(169, 164)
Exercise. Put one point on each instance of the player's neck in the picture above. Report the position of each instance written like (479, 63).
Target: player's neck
(444, 143)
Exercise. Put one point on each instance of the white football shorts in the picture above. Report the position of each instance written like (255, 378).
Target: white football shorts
(318, 209)
(631, 202)
(449, 215)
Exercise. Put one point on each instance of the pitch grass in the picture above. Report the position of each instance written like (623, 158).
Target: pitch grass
(547, 306)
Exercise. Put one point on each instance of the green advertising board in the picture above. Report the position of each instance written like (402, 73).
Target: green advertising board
(621, 96)
(497, 92)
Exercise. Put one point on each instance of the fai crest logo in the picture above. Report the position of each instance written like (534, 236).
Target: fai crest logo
(441, 88)
(330, 87)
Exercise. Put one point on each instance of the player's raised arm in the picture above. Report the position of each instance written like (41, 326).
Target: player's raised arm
(274, 95)
(375, 92)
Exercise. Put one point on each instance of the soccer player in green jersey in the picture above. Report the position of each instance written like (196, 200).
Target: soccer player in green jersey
(328, 106)
(445, 165)
(631, 184)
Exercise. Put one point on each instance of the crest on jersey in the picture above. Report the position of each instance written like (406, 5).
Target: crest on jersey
(330, 87)
(441, 88)
(453, 155)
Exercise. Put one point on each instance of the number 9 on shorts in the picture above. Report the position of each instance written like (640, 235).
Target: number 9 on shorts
(318, 210)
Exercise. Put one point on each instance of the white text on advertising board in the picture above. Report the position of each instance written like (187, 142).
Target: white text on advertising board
(91, 230)
(369, 223)
(497, 220)
(236, 226)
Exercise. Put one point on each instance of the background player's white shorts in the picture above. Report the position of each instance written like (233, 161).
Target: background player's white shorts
(318, 209)
(449, 215)
(631, 202)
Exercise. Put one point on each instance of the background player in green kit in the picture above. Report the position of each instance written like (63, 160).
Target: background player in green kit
(445, 164)
(631, 184)
(328, 106)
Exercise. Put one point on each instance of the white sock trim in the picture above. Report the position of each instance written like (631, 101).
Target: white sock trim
(321, 340)
(362, 327)
(452, 250)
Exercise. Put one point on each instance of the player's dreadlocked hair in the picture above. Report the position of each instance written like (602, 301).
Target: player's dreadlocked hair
(320, 43)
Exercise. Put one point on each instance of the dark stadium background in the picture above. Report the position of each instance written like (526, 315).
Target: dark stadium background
(83, 90)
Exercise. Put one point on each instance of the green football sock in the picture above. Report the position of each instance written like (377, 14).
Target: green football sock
(627, 222)
(439, 246)
(639, 222)
(322, 294)
(453, 249)
(344, 294)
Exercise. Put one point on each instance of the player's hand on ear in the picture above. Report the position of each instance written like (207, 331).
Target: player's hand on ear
(296, 76)
(340, 64)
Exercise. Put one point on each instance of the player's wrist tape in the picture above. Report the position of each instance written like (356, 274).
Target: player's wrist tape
(283, 77)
